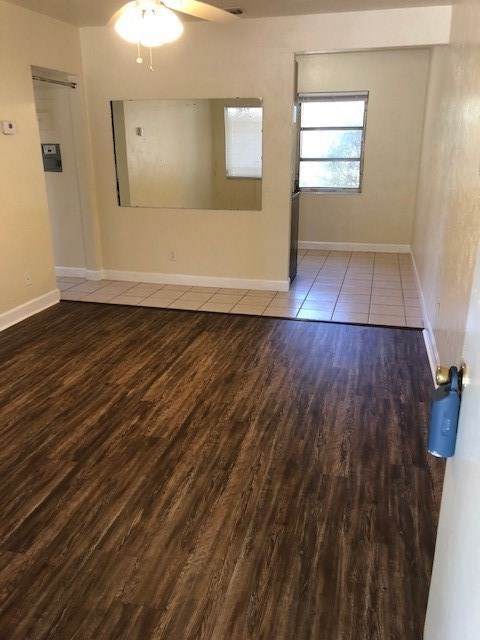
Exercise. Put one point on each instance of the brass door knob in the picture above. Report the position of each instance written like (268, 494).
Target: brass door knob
(443, 375)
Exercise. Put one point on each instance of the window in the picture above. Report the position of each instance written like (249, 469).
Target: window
(243, 142)
(332, 135)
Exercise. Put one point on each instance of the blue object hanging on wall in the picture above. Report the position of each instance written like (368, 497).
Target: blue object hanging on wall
(442, 430)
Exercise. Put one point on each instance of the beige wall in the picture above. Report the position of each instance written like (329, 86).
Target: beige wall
(252, 58)
(447, 223)
(383, 211)
(25, 240)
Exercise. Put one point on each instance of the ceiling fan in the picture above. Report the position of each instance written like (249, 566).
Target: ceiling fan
(152, 23)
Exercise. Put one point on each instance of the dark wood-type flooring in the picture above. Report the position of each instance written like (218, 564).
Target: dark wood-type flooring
(176, 475)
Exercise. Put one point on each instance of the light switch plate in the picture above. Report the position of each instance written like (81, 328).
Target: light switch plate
(9, 127)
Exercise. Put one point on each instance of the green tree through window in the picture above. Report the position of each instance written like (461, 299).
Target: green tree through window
(332, 141)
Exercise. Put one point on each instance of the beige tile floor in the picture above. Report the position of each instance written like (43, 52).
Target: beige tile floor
(332, 286)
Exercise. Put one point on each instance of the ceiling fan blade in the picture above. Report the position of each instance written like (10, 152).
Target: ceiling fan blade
(200, 10)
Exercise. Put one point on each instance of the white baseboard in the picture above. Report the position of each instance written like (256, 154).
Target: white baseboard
(78, 272)
(354, 246)
(28, 309)
(94, 275)
(70, 272)
(196, 281)
(432, 353)
(171, 278)
(428, 333)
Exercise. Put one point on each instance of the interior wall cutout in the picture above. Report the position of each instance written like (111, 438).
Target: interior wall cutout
(396, 81)
(172, 153)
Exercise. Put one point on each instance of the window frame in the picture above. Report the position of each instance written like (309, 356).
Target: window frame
(362, 96)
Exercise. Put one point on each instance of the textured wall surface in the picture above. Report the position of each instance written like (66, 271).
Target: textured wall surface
(446, 250)
(447, 223)
(383, 212)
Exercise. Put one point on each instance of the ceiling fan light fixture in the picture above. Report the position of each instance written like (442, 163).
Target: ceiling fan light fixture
(148, 23)
(160, 25)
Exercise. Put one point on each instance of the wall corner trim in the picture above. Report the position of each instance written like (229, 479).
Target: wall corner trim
(28, 309)
(354, 246)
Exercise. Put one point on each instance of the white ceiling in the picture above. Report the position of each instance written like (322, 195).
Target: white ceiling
(85, 13)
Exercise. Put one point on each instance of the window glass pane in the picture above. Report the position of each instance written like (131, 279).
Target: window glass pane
(331, 144)
(243, 142)
(333, 113)
(330, 175)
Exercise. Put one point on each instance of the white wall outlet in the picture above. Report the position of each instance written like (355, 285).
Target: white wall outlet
(28, 278)
(171, 255)
(9, 127)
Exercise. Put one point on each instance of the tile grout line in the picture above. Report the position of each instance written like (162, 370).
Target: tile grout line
(310, 288)
(341, 286)
(201, 305)
(306, 295)
(371, 289)
(370, 304)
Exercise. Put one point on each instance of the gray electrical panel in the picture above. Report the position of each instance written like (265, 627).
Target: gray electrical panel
(52, 159)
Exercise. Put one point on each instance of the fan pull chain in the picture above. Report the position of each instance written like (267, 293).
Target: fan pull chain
(139, 54)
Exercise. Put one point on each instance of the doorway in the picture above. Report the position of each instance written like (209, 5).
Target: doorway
(54, 94)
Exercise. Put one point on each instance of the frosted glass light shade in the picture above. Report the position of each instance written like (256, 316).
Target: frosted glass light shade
(151, 24)
(129, 24)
